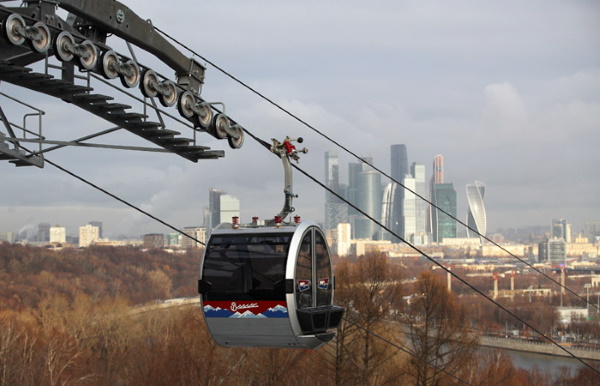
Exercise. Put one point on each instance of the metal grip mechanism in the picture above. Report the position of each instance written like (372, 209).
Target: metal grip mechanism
(286, 150)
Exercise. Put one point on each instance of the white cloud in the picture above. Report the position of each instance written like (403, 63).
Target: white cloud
(507, 92)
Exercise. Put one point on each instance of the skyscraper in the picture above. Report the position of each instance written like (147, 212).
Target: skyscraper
(476, 217)
(369, 201)
(387, 207)
(222, 207)
(409, 212)
(399, 161)
(438, 170)
(418, 173)
(437, 177)
(364, 191)
(561, 229)
(336, 211)
(443, 226)
(214, 207)
(399, 166)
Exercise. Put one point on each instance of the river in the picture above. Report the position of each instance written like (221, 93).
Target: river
(545, 363)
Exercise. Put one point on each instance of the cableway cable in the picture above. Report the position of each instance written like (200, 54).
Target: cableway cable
(353, 206)
(198, 241)
(121, 200)
(453, 274)
(314, 129)
(265, 144)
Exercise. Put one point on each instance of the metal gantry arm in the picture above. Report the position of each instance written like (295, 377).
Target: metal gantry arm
(286, 150)
(34, 32)
(111, 16)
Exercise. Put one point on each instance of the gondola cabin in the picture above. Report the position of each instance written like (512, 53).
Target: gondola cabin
(269, 286)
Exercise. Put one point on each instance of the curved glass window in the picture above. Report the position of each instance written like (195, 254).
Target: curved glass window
(323, 271)
(246, 266)
(304, 277)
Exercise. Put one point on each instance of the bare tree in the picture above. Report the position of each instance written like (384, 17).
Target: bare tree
(437, 329)
(370, 291)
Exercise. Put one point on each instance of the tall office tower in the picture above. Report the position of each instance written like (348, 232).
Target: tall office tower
(437, 177)
(561, 229)
(443, 226)
(336, 211)
(399, 166)
(399, 160)
(418, 173)
(438, 170)
(369, 194)
(214, 207)
(476, 218)
(332, 174)
(409, 218)
(354, 170)
(97, 224)
(387, 207)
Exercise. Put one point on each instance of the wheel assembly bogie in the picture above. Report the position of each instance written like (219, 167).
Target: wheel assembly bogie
(236, 139)
(41, 39)
(220, 126)
(130, 74)
(88, 55)
(91, 54)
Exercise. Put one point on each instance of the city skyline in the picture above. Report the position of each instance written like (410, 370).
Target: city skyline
(516, 108)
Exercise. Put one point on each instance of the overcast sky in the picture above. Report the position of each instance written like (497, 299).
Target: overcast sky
(508, 92)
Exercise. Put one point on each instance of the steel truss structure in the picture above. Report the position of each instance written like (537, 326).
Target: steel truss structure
(69, 59)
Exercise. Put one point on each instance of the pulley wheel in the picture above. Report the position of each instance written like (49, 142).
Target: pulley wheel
(132, 77)
(89, 60)
(236, 143)
(62, 42)
(43, 39)
(110, 64)
(220, 126)
(203, 116)
(186, 104)
(168, 96)
(149, 83)
(11, 27)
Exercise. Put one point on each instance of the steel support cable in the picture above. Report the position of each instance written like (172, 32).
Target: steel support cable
(456, 276)
(122, 200)
(194, 239)
(406, 351)
(353, 206)
(300, 120)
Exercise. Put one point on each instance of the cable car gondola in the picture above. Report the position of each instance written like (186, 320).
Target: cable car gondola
(270, 285)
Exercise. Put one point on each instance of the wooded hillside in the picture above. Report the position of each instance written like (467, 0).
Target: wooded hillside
(68, 318)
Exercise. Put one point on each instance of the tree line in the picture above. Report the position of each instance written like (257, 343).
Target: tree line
(66, 318)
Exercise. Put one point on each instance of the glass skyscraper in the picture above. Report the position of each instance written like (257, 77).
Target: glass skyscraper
(369, 200)
(364, 191)
(442, 225)
(336, 211)
(399, 167)
(476, 217)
